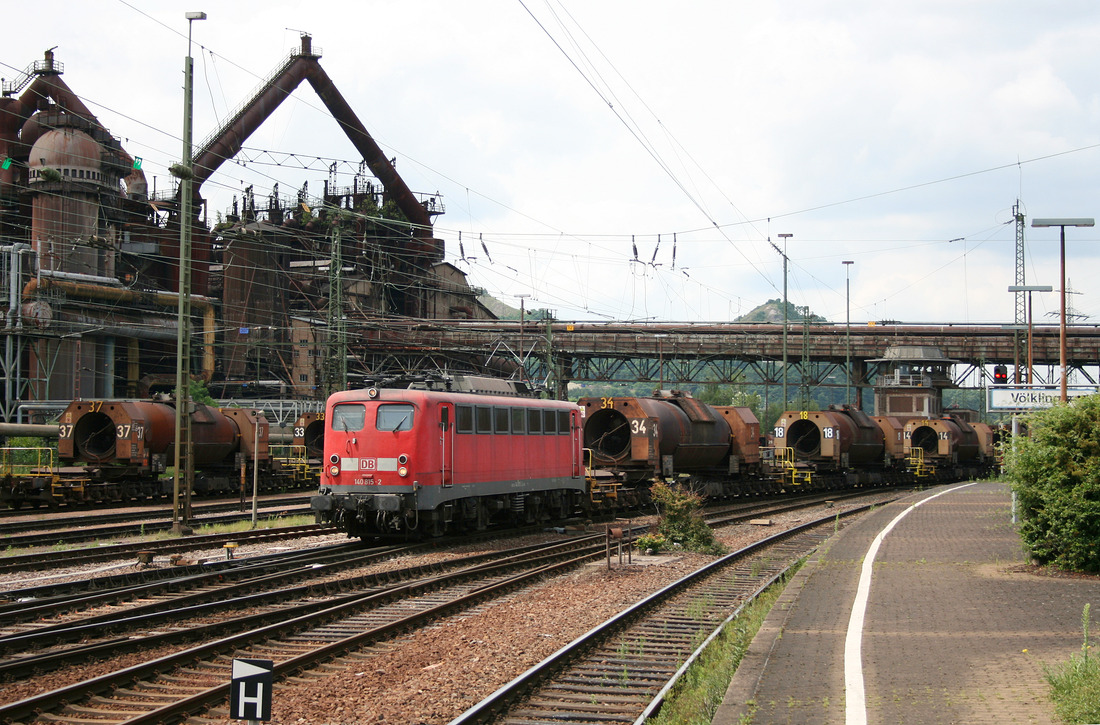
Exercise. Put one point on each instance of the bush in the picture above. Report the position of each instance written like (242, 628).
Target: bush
(24, 451)
(1056, 475)
(651, 543)
(681, 523)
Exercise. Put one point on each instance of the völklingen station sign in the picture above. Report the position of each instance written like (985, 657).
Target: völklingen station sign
(1027, 397)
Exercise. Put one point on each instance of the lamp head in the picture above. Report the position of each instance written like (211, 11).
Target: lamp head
(1064, 222)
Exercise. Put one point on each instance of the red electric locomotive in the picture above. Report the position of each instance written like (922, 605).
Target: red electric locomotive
(448, 456)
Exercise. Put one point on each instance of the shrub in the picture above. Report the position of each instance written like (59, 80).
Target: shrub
(1056, 475)
(651, 543)
(681, 523)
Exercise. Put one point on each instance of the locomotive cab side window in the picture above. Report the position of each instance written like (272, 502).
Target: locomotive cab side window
(500, 420)
(394, 417)
(349, 417)
(464, 418)
(563, 422)
(484, 419)
(549, 422)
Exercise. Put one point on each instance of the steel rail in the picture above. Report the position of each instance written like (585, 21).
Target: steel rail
(67, 519)
(14, 600)
(559, 561)
(103, 685)
(235, 595)
(494, 707)
(95, 531)
(188, 543)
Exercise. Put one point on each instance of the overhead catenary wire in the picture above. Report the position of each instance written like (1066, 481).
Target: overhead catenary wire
(538, 241)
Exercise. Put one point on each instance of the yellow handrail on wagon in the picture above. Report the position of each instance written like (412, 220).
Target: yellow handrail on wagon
(295, 458)
(28, 462)
(789, 472)
(599, 490)
(32, 464)
(916, 463)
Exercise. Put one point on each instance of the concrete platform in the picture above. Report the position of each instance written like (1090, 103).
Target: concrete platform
(955, 629)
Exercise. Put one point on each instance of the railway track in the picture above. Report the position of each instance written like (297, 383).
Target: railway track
(172, 687)
(727, 515)
(73, 557)
(42, 635)
(621, 671)
(94, 532)
(346, 626)
(21, 521)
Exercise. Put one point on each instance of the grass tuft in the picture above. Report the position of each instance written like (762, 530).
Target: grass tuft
(697, 695)
(1075, 685)
(1075, 689)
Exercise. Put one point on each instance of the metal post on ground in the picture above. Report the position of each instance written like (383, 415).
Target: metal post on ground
(847, 331)
(255, 471)
(785, 237)
(183, 331)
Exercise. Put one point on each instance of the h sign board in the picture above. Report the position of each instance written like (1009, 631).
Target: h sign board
(250, 690)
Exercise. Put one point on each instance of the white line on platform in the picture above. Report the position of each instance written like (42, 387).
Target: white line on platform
(855, 702)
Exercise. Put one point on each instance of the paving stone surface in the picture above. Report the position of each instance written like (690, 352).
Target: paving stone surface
(957, 628)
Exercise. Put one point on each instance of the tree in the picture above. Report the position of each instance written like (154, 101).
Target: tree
(715, 394)
(1056, 475)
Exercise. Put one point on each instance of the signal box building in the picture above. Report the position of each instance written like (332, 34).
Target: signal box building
(912, 382)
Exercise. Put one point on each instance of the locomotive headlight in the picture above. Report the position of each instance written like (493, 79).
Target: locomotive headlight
(402, 471)
(334, 458)
(334, 471)
(403, 459)
(372, 393)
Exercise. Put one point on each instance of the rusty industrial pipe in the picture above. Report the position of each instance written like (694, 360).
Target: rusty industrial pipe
(111, 294)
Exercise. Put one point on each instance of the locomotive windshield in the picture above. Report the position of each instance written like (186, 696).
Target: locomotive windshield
(395, 417)
(349, 418)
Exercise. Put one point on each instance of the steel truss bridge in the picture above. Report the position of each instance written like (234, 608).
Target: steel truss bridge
(561, 352)
(555, 353)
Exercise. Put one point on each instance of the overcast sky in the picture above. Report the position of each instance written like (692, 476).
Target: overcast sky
(564, 135)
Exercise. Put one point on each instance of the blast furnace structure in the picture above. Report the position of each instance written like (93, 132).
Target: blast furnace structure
(90, 258)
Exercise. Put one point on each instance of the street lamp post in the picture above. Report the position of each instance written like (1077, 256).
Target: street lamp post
(183, 322)
(1029, 288)
(1062, 224)
(785, 237)
(848, 330)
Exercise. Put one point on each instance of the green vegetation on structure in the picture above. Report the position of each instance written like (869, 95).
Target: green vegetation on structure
(199, 394)
(1055, 472)
(1075, 685)
(681, 525)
